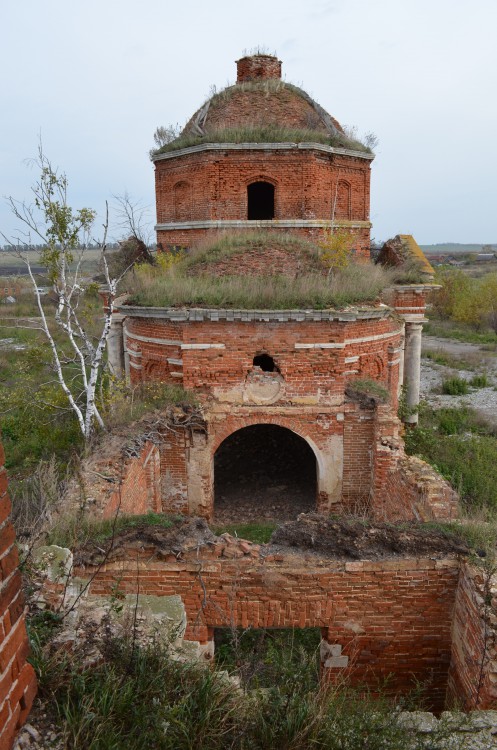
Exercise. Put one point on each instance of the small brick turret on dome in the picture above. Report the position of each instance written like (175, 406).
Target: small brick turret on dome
(257, 68)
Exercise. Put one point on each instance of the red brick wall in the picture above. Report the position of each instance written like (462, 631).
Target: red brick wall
(188, 237)
(473, 669)
(311, 372)
(306, 187)
(138, 489)
(17, 678)
(413, 490)
(408, 300)
(358, 441)
(257, 67)
(215, 358)
(9, 288)
(392, 618)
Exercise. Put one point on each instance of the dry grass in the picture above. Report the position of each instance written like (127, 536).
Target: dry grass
(356, 284)
(213, 248)
(262, 134)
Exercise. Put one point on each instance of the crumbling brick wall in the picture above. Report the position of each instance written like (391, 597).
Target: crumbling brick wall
(389, 619)
(138, 486)
(316, 355)
(405, 487)
(473, 669)
(17, 677)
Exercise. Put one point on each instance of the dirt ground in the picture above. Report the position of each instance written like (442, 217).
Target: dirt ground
(484, 400)
(263, 473)
(349, 539)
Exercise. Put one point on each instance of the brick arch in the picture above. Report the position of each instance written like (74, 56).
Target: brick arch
(258, 177)
(252, 421)
(310, 452)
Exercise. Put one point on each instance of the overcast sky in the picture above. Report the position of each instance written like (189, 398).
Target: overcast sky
(97, 77)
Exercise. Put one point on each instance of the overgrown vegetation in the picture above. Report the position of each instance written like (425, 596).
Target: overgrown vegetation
(139, 697)
(315, 130)
(261, 134)
(260, 656)
(75, 530)
(224, 245)
(441, 357)
(463, 448)
(125, 403)
(369, 389)
(460, 332)
(312, 291)
(467, 300)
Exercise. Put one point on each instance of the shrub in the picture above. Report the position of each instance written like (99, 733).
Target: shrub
(479, 381)
(455, 386)
(125, 404)
(368, 388)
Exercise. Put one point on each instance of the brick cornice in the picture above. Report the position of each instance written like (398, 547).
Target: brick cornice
(263, 224)
(196, 314)
(310, 146)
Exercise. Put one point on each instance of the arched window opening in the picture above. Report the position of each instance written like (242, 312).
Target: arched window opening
(260, 201)
(264, 472)
(266, 363)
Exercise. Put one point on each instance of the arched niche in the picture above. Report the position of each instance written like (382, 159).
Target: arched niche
(342, 201)
(182, 201)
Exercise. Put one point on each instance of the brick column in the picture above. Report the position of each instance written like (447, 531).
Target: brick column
(17, 677)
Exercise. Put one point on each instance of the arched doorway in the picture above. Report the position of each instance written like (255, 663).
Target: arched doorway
(260, 201)
(264, 472)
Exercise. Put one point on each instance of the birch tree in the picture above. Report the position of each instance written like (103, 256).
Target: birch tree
(65, 234)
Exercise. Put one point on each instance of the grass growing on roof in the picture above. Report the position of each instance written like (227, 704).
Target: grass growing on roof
(255, 132)
(126, 404)
(353, 285)
(369, 388)
(212, 249)
(262, 134)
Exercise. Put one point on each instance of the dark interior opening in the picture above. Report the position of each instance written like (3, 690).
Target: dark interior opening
(260, 200)
(263, 657)
(266, 363)
(264, 472)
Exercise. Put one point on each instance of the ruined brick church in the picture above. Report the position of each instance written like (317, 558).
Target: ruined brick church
(288, 432)
(288, 429)
(277, 383)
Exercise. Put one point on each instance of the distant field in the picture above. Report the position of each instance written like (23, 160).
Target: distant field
(455, 247)
(10, 265)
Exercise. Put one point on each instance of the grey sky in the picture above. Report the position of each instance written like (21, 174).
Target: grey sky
(97, 77)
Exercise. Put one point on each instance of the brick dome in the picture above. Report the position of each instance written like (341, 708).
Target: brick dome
(261, 99)
(262, 154)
